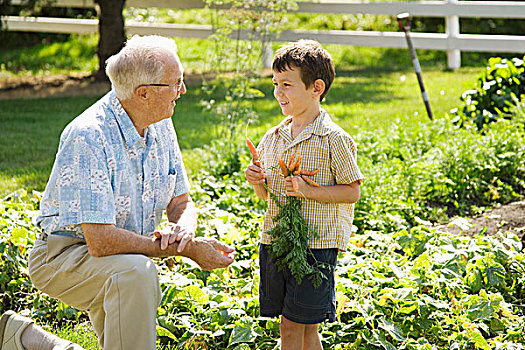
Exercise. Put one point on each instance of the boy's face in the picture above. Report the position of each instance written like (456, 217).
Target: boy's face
(292, 94)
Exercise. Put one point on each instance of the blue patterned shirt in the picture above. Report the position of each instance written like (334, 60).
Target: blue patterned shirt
(106, 173)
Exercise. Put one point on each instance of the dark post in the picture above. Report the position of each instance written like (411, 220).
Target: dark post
(415, 62)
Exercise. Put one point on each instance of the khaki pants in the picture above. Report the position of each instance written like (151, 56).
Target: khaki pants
(121, 293)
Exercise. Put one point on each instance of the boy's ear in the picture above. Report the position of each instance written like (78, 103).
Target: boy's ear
(319, 87)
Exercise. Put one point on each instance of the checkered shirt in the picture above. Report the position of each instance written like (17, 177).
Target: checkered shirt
(322, 145)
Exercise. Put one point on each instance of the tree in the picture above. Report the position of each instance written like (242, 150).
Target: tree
(111, 32)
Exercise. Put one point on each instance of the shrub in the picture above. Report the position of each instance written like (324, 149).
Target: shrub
(431, 171)
(499, 87)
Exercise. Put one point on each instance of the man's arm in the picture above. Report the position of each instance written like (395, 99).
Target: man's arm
(102, 240)
(182, 216)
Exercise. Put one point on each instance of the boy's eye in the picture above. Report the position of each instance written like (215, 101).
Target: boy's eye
(274, 83)
(286, 84)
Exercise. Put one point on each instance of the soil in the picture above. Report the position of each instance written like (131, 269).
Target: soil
(504, 218)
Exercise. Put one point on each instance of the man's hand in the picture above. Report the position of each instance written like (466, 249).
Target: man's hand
(174, 233)
(209, 253)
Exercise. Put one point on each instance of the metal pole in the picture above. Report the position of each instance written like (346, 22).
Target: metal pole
(415, 61)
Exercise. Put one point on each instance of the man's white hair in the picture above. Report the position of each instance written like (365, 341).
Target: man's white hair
(139, 62)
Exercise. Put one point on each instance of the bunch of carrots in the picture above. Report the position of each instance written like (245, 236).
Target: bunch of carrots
(290, 236)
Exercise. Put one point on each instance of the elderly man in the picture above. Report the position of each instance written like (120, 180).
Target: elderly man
(118, 168)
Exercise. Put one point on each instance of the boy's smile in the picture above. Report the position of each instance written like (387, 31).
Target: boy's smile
(293, 96)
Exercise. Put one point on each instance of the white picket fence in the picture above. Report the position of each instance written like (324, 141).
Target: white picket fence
(451, 41)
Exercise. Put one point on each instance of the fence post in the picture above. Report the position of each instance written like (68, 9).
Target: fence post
(452, 31)
(267, 58)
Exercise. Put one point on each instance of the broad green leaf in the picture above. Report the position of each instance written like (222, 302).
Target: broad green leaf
(197, 294)
(495, 276)
(392, 329)
(422, 262)
(433, 302)
(480, 311)
(379, 339)
(243, 333)
(474, 279)
(19, 236)
(163, 332)
(478, 339)
(408, 309)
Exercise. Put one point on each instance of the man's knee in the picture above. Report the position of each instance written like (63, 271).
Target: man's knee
(142, 270)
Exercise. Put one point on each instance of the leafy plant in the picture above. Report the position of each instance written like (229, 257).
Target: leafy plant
(17, 236)
(242, 34)
(499, 87)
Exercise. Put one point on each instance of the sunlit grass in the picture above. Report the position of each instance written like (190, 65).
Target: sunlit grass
(361, 99)
(81, 334)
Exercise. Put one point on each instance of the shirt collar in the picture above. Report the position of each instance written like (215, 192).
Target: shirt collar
(129, 132)
(320, 126)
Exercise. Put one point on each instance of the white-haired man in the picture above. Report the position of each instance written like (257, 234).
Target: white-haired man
(118, 168)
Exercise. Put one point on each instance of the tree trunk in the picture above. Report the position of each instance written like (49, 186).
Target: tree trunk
(111, 32)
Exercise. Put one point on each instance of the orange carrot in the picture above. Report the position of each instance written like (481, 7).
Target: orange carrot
(290, 161)
(310, 181)
(283, 167)
(253, 151)
(297, 170)
(297, 163)
(309, 172)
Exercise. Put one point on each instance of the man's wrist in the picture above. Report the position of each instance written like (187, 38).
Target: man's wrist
(188, 250)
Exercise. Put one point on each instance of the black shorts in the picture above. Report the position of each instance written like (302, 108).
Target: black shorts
(279, 293)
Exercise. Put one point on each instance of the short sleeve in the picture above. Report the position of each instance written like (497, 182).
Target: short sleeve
(85, 193)
(343, 161)
(182, 184)
(177, 172)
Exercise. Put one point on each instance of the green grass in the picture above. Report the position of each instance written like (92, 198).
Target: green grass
(361, 99)
(31, 133)
(81, 334)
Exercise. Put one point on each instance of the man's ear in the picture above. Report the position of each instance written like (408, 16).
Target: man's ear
(141, 92)
(319, 87)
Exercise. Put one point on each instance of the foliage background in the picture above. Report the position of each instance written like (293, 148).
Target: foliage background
(401, 285)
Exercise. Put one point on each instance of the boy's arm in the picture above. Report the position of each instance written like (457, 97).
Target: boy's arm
(328, 194)
(256, 177)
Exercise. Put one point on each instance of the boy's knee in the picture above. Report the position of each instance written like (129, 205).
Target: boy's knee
(288, 327)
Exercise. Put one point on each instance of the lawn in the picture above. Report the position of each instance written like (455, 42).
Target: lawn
(361, 99)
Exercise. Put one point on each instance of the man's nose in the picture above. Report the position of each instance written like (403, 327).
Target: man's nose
(182, 89)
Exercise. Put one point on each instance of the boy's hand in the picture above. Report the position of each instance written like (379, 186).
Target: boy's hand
(255, 175)
(296, 186)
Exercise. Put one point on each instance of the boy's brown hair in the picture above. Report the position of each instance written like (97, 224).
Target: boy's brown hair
(313, 61)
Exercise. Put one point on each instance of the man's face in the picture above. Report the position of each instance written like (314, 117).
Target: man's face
(163, 97)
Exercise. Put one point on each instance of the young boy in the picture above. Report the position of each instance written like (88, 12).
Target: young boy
(302, 75)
